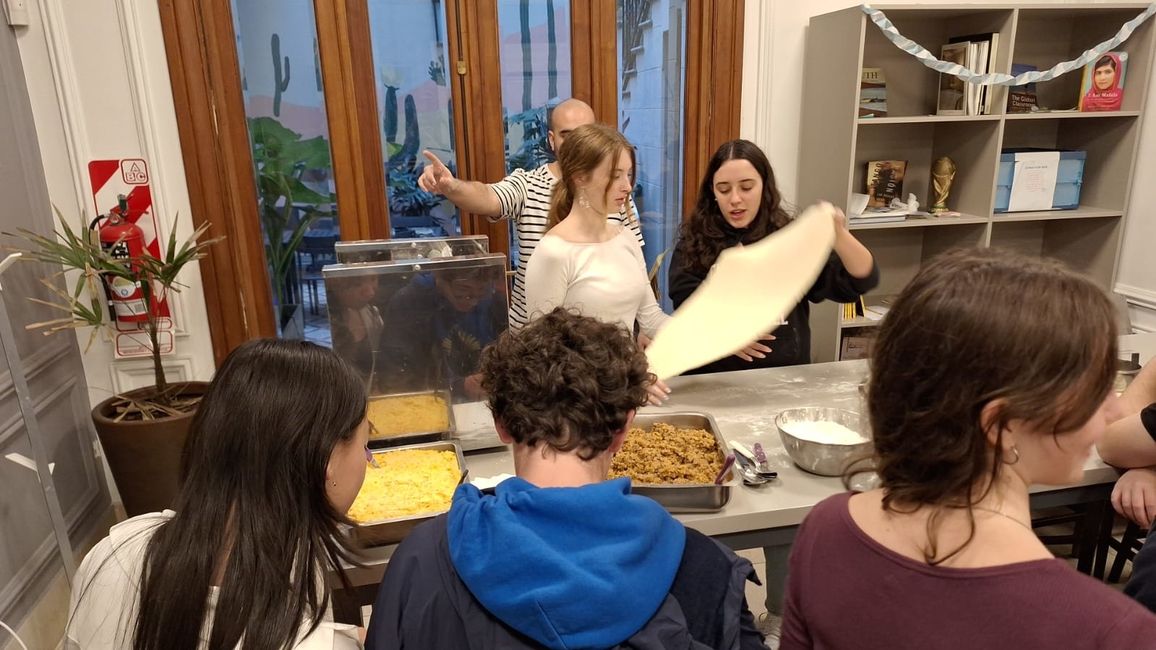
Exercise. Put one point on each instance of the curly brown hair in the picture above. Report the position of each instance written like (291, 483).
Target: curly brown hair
(567, 380)
(702, 237)
(972, 327)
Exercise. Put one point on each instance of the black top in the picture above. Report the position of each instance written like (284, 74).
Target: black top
(792, 344)
(1148, 419)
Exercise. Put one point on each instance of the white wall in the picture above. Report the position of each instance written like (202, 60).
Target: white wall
(99, 85)
(773, 41)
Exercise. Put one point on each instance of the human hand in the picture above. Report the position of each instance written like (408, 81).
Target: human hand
(840, 220)
(755, 350)
(435, 178)
(644, 341)
(1134, 496)
(657, 393)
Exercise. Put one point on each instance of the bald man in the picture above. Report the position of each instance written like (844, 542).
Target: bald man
(523, 196)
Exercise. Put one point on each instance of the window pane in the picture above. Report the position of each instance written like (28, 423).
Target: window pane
(651, 72)
(289, 134)
(415, 109)
(535, 63)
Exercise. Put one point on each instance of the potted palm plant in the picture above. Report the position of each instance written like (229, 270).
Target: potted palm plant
(142, 431)
(288, 206)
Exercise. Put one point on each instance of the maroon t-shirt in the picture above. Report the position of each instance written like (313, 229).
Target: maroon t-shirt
(847, 591)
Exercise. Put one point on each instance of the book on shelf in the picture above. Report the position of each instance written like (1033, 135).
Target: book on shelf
(1022, 99)
(872, 93)
(1102, 88)
(857, 346)
(884, 182)
(853, 310)
(982, 50)
(952, 89)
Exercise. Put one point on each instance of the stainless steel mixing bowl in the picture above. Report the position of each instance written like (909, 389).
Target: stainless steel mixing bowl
(825, 459)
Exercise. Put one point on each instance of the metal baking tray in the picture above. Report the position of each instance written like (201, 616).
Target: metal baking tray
(416, 436)
(391, 531)
(688, 498)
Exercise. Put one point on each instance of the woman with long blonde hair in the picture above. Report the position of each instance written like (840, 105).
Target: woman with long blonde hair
(584, 261)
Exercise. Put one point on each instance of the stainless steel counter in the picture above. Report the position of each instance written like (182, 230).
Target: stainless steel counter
(744, 405)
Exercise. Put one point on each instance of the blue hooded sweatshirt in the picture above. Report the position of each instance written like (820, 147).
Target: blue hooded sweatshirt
(570, 568)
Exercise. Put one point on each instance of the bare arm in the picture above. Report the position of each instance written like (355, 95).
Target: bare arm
(1141, 392)
(852, 253)
(1127, 442)
(471, 196)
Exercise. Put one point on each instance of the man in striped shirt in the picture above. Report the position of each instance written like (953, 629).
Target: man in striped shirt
(523, 196)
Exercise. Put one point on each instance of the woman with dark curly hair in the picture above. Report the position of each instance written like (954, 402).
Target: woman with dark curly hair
(560, 557)
(739, 203)
(976, 393)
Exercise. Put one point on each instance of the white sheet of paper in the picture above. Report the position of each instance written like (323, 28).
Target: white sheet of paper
(746, 295)
(1034, 180)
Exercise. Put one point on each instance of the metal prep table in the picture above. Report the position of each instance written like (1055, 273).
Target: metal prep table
(744, 405)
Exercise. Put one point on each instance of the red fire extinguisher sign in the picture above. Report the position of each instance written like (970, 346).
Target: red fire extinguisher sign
(128, 233)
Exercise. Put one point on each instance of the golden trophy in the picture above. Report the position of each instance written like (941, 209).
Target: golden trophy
(942, 175)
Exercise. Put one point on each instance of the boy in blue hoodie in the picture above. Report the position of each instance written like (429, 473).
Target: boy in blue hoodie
(559, 557)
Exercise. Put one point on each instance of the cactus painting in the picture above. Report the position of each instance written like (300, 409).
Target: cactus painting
(390, 120)
(280, 73)
(412, 143)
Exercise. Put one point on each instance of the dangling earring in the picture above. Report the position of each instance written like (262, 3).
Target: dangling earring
(1015, 451)
(583, 201)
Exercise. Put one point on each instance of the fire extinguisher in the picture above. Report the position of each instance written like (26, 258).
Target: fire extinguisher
(123, 240)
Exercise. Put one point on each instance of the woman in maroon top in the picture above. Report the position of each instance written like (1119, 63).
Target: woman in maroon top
(992, 372)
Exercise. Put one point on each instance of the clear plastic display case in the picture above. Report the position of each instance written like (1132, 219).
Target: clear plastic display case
(418, 326)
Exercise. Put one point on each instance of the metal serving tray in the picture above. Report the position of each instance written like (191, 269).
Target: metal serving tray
(688, 498)
(391, 531)
(415, 437)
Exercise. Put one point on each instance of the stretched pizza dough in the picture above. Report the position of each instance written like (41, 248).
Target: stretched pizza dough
(746, 294)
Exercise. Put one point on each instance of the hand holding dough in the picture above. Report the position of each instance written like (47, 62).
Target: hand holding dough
(723, 316)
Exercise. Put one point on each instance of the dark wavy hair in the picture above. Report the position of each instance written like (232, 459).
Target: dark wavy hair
(702, 237)
(972, 327)
(253, 482)
(567, 380)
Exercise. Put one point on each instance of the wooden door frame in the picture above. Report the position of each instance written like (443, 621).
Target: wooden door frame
(210, 111)
(346, 52)
(594, 57)
(714, 78)
(474, 50)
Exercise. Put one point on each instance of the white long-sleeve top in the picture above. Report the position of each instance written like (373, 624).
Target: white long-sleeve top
(604, 280)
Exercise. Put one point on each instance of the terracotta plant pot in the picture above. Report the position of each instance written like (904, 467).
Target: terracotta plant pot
(144, 455)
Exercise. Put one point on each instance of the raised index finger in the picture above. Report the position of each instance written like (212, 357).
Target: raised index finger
(434, 160)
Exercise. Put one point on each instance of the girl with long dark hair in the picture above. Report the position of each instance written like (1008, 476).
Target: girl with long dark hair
(739, 203)
(275, 457)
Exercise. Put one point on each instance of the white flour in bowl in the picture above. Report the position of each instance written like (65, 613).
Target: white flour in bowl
(826, 432)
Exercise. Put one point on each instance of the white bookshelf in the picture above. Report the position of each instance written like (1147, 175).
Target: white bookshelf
(836, 144)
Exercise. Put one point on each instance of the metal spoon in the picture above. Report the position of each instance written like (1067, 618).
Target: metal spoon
(747, 471)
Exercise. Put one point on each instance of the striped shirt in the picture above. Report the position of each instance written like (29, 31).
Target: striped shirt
(525, 198)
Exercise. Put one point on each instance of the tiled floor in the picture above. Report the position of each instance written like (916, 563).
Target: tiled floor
(317, 324)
